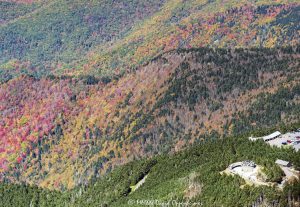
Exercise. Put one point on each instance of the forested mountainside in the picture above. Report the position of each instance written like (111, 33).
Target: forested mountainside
(190, 176)
(95, 95)
(61, 132)
(107, 38)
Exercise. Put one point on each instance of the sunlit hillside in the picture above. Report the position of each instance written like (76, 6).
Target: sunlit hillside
(95, 95)
(101, 38)
(71, 129)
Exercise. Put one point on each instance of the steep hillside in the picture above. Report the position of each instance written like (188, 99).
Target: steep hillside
(105, 38)
(100, 96)
(59, 133)
(191, 176)
(63, 31)
(11, 10)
